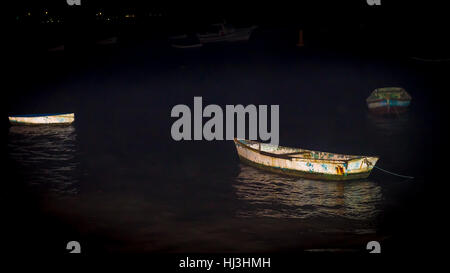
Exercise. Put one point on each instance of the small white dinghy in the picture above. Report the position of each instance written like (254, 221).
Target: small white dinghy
(36, 119)
(223, 32)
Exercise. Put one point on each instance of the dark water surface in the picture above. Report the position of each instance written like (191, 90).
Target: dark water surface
(117, 182)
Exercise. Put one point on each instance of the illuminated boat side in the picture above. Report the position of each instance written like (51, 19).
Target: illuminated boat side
(304, 163)
(36, 119)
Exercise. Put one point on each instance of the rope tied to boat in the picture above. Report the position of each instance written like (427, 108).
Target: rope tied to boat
(396, 174)
(367, 162)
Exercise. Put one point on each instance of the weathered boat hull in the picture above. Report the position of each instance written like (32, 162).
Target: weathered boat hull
(67, 118)
(303, 174)
(317, 165)
(389, 100)
(389, 106)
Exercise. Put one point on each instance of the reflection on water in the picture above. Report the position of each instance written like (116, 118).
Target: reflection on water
(272, 195)
(390, 125)
(46, 156)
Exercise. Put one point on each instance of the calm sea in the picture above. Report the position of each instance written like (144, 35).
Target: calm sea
(116, 182)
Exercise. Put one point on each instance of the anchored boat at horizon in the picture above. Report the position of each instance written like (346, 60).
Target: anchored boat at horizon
(304, 163)
(36, 119)
(223, 32)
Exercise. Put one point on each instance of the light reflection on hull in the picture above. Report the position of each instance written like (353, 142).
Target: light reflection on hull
(271, 195)
(45, 156)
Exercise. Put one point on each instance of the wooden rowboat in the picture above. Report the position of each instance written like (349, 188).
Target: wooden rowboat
(388, 100)
(36, 119)
(304, 163)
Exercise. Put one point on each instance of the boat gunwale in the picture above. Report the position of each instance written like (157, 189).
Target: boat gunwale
(334, 161)
(378, 100)
(390, 89)
(308, 175)
(40, 115)
(382, 90)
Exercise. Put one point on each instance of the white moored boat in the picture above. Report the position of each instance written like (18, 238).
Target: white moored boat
(225, 33)
(36, 119)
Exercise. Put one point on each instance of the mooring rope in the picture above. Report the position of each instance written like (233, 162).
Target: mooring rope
(430, 60)
(396, 174)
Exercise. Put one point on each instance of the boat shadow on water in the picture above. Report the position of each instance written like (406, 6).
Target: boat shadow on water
(272, 195)
(46, 155)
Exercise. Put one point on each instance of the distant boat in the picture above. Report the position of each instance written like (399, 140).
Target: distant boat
(108, 41)
(185, 41)
(225, 33)
(36, 119)
(304, 163)
(388, 100)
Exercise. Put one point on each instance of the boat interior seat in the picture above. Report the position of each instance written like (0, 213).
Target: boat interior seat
(298, 153)
(287, 155)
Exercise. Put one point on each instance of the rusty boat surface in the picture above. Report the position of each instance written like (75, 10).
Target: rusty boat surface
(36, 119)
(304, 163)
(388, 100)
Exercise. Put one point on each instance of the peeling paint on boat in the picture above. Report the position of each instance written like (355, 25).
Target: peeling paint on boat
(304, 163)
(36, 119)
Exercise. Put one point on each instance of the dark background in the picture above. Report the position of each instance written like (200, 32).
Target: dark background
(399, 29)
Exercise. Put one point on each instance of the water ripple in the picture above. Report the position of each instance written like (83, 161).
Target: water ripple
(45, 156)
(272, 195)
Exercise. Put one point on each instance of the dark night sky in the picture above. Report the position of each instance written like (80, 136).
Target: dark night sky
(268, 10)
(406, 15)
(394, 18)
